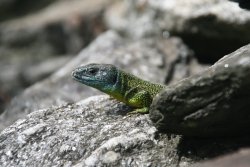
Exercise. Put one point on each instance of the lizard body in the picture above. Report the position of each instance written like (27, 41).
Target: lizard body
(122, 86)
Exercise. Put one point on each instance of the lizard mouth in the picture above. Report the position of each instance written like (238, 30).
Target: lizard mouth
(83, 77)
(80, 76)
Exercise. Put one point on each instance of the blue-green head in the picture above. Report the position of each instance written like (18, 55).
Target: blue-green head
(99, 76)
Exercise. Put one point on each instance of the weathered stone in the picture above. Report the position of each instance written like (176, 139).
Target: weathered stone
(245, 4)
(147, 59)
(97, 132)
(212, 28)
(240, 159)
(93, 132)
(35, 72)
(60, 29)
(15, 8)
(17, 74)
(213, 103)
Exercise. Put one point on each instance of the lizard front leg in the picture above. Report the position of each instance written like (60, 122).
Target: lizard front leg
(141, 100)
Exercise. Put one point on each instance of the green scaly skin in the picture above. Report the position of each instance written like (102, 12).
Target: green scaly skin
(122, 86)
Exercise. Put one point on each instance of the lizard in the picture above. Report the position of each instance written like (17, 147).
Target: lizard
(123, 86)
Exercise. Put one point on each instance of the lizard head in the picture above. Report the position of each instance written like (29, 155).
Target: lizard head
(99, 76)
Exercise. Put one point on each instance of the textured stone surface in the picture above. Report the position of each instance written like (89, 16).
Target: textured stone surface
(97, 132)
(212, 28)
(245, 4)
(62, 27)
(213, 103)
(240, 159)
(55, 31)
(147, 59)
(93, 132)
(59, 29)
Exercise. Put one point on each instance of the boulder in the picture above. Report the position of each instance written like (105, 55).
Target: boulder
(212, 28)
(210, 104)
(93, 132)
(57, 30)
(239, 158)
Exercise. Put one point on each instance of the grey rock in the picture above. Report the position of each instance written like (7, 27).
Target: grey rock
(15, 8)
(60, 29)
(211, 27)
(36, 72)
(147, 59)
(92, 132)
(211, 104)
(96, 132)
(245, 4)
(239, 159)
(19, 73)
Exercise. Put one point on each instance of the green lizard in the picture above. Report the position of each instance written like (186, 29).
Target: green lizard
(123, 86)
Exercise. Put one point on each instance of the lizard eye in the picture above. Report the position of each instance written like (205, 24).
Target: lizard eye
(93, 71)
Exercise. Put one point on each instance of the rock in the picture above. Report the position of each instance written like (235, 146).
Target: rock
(92, 132)
(15, 76)
(97, 132)
(211, 104)
(15, 8)
(147, 59)
(211, 28)
(239, 158)
(4, 100)
(245, 4)
(35, 72)
(60, 29)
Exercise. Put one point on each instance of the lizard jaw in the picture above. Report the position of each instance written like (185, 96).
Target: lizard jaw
(77, 75)
(83, 78)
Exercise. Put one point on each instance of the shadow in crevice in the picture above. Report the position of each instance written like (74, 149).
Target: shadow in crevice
(206, 148)
(20, 8)
(213, 38)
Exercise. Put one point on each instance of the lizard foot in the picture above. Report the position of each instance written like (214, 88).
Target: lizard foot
(144, 110)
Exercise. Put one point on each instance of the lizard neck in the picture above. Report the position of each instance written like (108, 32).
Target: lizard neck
(119, 88)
